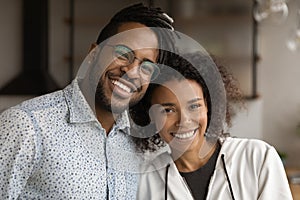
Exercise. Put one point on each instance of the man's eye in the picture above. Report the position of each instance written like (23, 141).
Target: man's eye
(147, 67)
(123, 53)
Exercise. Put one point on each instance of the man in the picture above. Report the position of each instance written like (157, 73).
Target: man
(75, 143)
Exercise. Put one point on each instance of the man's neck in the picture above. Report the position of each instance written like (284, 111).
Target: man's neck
(106, 118)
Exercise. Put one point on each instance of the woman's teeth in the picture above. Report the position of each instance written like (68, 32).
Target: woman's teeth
(121, 85)
(184, 135)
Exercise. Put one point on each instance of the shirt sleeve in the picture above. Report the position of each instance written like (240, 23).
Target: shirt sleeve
(17, 151)
(273, 182)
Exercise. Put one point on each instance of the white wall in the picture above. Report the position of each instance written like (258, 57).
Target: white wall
(248, 121)
(280, 81)
(275, 115)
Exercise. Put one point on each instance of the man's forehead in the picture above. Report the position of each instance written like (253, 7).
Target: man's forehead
(136, 38)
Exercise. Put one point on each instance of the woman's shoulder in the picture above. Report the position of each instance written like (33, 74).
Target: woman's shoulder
(246, 142)
(244, 151)
(247, 146)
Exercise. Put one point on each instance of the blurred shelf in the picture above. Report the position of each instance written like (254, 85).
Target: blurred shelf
(87, 21)
(294, 174)
(214, 19)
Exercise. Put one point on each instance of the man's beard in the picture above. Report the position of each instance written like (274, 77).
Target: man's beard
(105, 102)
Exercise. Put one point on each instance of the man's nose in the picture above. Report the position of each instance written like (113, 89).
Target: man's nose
(132, 70)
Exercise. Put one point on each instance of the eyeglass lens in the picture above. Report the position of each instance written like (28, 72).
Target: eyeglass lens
(126, 56)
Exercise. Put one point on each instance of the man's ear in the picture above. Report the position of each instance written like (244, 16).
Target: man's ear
(93, 45)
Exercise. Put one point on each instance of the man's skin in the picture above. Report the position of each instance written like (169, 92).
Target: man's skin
(112, 94)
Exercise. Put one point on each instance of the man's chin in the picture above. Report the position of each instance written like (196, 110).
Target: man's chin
(118, 109)
(118, 104)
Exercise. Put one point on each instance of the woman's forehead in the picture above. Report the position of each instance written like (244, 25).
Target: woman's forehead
(182, 86)
(181, 90)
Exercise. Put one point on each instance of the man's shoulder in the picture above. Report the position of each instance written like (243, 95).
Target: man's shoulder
(41, 102)
(21, 114)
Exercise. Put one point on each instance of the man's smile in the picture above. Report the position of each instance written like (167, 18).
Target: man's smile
(121, 87)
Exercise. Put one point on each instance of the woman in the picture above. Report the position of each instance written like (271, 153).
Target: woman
(197, 163)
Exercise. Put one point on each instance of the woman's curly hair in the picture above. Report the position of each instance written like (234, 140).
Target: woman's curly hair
(140, 112)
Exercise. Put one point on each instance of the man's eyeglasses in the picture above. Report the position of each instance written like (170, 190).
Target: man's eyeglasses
(125, 56)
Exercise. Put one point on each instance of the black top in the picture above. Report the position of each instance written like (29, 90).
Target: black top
(198, 181)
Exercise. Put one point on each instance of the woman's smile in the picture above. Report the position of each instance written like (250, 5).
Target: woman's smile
(185, 135)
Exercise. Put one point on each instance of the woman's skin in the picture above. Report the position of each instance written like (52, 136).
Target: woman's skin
(180, 115)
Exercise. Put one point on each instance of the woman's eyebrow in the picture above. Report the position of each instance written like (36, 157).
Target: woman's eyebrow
(195, 100)
(167, 104)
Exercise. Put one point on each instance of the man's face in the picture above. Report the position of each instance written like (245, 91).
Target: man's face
(122, 84)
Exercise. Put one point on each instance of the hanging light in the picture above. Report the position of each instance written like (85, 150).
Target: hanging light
(276, 10)
(293, 42)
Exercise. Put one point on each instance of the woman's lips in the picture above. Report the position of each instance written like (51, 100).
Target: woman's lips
(181, 142)
(185, 135)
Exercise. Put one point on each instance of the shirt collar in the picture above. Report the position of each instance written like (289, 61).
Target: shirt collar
(79, 109)
(123, 121)
(81, 112)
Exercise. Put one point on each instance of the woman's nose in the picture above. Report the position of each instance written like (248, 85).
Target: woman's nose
(184, 118)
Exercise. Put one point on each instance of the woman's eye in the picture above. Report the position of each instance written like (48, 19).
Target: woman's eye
(195, 106)
(167, 110)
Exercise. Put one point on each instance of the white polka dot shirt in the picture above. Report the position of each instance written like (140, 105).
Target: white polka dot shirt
(53, 147)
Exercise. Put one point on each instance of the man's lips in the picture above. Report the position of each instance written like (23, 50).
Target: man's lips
(124, 85)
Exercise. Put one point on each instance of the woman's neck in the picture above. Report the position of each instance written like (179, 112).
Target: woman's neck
(193, 160)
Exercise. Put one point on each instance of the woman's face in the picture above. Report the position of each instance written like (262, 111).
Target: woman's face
(180, 114)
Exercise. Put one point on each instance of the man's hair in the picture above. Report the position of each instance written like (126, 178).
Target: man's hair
(153, 17)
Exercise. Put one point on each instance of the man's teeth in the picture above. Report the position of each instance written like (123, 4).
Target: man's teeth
(121, 85)
(184, 135)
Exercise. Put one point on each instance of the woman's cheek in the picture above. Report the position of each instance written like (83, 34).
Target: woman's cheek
(160, 123)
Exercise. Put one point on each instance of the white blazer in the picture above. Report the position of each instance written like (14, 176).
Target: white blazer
(254, 167)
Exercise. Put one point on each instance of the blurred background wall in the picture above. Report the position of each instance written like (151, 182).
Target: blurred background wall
(225, 29)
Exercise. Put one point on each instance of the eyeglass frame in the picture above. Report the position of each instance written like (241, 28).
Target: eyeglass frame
(156, 68)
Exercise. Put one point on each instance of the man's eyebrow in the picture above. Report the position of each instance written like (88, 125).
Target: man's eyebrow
(133, 51)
